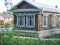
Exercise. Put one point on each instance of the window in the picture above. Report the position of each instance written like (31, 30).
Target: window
(59, 21)
(45, 21)
(20, 21)
(53, 20)
(30, 21)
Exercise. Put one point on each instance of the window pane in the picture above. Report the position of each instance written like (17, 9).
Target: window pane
(20, 20)
(59, 20)
(44, 20)
(53, 20)
(30, 20)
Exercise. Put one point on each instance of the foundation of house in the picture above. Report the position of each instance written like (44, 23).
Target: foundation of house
(45, 33)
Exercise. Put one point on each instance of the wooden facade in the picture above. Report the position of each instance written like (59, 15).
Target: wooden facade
(38, 17)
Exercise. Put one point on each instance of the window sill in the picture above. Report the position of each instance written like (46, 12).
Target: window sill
(21, 26)
(30, 26)
(44, 26)
(53, 25)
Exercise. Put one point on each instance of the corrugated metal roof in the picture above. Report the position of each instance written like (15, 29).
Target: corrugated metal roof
(44, 7)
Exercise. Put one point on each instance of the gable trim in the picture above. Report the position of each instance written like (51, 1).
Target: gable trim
(28, 3)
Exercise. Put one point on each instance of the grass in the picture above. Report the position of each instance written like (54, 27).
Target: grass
(9, 40)
(21, 34)
(21, 41)
(53, 36)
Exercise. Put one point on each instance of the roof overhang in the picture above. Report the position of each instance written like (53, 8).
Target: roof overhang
(27, 10)
(50, 10)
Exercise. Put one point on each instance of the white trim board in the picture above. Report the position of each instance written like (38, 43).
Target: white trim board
(33, 22)
(23, 22)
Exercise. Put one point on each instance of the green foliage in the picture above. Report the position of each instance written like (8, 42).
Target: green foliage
(2, 26)
(27, 34)
(24, 34)
(6, 13)
(8, 39)
(53, 36)
(16, 28)
(14, 8)
(5, 26)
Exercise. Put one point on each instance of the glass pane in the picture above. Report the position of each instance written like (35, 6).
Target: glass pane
(59, 20)
(44, 21)
(53, 20)
(30, 20)
(21, 20)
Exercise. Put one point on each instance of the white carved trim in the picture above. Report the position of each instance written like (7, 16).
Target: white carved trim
(52, 21)
(23, 22)
(19, 14)
(27, 22)
(46, 21)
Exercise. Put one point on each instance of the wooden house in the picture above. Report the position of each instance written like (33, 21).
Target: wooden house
(35, 16)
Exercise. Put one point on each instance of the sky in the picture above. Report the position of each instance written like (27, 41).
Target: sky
(47, 2)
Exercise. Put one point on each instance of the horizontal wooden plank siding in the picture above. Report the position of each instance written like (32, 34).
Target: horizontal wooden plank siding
(40, 22)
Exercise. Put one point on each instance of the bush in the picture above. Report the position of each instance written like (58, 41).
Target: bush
(15, 28)
(53, 36)
(9, 40)
(2, 26)
(20, 41)
(24, 34)
(5, 26)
